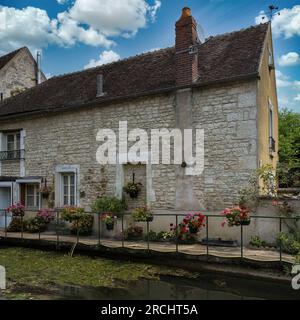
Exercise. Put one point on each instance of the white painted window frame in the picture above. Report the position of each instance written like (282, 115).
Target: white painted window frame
(36, 196)
(60, 170)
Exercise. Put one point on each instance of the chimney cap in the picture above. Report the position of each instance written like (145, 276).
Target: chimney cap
(186, 12)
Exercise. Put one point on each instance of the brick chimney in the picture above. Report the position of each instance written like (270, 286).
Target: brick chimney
(186, 55)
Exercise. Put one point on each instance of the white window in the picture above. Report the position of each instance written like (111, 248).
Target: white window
(13, 141)
(68, 189)
(32, 196)
(67, 177)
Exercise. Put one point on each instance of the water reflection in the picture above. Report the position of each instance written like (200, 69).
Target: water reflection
(172, 288)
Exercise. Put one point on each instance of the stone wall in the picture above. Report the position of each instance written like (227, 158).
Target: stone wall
(228, 116)
(19, 73)
(226, 113)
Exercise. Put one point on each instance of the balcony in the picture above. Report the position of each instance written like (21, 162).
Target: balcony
(12, 155)
(272, 145)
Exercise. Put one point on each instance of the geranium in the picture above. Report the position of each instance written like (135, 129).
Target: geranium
(17, 210)
(47, 215)
(190, 225)
(236, 216)
(108, 218)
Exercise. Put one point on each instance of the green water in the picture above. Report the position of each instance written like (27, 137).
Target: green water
(207, 287)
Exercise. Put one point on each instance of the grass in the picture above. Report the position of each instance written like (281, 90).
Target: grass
(42, 269)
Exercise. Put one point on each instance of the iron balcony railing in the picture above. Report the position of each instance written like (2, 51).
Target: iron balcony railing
(12, 155)
(272, 145)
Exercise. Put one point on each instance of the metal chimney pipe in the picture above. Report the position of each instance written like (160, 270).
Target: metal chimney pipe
(100, 92)
(39, 59)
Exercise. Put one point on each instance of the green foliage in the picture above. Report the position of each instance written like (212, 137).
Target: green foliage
(142, 214)
(72, 213)
(257, 242)
(39, 269)
(290, 243)
(133, 189)
(108, 205)
(289, 148)
(84, 226)
(250, 194)
(35, 225)
(15, 225)
(162, 236)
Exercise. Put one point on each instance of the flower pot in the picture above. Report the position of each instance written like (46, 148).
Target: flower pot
(110, 226)
(245, 222)
(193, 230)
(133, 194)
(45, 195)
(149, 219)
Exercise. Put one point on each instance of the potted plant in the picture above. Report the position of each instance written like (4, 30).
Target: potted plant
(134, 233)
(133, 189)
(45, 190)
(187, 230)
(142, 214)
(47, 215)
(17, 210)
(111, 205)
(194, 222)
(236, 216)
(109, 220)
(72, 213)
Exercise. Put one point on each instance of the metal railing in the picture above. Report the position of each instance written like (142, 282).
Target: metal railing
(12, 155)
(98, 236)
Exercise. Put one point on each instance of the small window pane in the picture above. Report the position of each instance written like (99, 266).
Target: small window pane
(68, 189)
(10, 142)
(30, 190)
(65, 177)
(18, 141)
(66, 202)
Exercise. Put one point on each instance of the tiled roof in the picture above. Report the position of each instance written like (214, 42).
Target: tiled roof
(221, 58)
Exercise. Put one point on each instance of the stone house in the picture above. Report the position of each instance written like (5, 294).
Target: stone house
(18, 71)
(225, 86)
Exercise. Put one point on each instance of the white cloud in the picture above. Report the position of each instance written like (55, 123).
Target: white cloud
(90, 22)
(289, 59)
(282, 80)
(104, 57)
(297, 98)
(286, 24)
(297, 85)
(114, 18)
(61, 1)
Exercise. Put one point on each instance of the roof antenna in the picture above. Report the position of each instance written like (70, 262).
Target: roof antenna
(272, 12)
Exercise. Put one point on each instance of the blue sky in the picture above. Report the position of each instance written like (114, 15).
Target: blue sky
(72, 36)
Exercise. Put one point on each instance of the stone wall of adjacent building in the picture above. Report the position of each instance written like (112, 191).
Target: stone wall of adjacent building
(226, 113)
(19, 73)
